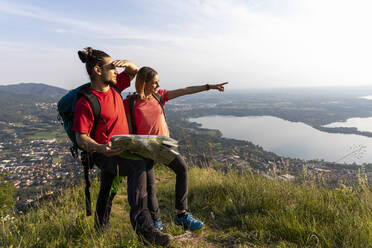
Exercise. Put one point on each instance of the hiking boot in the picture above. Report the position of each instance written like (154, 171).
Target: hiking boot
(156, 237)
(158, 224)
(188, 222)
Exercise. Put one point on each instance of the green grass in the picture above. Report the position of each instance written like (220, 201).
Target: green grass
(45, 135)
(8, 130)
(56, 159)
(239, 210)
(269, 212)
(213, 133)
(19, 124)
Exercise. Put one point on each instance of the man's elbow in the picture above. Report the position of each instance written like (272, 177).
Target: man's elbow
(79, 139)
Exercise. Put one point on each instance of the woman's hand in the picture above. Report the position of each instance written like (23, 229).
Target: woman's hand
(219, 87)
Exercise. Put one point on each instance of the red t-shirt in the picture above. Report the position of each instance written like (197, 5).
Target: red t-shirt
(112, 111)
(149, 115)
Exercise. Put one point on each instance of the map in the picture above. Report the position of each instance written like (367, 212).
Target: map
(161, 149)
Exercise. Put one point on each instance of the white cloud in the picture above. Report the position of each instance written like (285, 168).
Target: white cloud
(250, 43)
(96, 27)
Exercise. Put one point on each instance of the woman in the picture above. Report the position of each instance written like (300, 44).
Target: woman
(150, 120)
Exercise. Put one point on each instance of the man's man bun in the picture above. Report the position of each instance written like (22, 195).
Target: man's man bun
(86, 54)
(92, 57)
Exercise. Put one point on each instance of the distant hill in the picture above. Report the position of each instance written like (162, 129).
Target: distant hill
(18, 100)
(25, 93)
(34, 89)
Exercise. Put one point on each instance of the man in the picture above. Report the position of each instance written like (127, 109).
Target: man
(104, 77)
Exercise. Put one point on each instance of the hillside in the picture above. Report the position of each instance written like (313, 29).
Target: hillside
(240, 210)
(24, 99)
(240, 207)
(33, 89)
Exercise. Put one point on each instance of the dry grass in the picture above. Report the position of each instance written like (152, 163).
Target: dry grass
(239, 210)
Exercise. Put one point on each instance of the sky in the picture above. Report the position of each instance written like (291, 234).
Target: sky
(249, 43)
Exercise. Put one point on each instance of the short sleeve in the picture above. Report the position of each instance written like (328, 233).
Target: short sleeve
(123, 81)
(164, 94)
(83, 117)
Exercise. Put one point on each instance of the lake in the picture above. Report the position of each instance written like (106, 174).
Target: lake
(292, 139)
(361, 124)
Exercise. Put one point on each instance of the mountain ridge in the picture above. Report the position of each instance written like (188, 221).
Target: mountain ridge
(33, 89)
(20, 100)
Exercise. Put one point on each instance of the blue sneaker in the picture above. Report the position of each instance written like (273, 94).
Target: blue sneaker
(188, 222)
(158, 224)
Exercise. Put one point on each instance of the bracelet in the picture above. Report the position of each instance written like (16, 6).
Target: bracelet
(208, 87)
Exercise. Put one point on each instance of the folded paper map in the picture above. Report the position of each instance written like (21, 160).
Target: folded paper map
(161, 149)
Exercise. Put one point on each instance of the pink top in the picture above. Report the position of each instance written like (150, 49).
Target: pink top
(149, 115)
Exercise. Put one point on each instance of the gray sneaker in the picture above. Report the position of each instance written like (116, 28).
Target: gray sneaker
(156, 237)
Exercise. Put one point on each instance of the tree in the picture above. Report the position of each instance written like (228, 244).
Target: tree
(7, 191)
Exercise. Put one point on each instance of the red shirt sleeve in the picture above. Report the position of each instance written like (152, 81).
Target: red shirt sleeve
(83, 116)
(164, 94)
(123, 81)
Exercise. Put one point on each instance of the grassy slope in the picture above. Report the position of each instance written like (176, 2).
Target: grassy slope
(239, 211)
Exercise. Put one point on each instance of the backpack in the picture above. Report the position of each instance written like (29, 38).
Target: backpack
(66, 107)
(131, 116)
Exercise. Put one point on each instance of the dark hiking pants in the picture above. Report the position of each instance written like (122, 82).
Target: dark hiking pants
(135, 170)
(179, 166)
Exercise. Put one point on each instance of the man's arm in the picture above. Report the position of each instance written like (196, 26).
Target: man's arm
(130, 68)
(195, 89)
(90, 145)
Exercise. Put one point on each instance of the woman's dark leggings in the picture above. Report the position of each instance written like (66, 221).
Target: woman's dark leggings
(178, 165)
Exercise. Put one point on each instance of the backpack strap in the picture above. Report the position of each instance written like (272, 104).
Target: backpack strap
(96, 108)
(87, 163)
(131, 117)
(116, 89)
(86, 158)
(160, 100)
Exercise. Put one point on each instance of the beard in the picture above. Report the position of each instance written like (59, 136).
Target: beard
(110, 82)
(108, 78)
